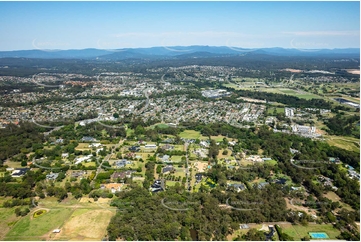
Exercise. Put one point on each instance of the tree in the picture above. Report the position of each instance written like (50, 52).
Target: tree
(254, 235)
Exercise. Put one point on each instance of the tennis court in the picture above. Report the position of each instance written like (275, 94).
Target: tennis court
(318, 235)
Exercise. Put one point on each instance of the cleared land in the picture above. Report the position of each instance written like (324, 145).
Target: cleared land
(86, 224)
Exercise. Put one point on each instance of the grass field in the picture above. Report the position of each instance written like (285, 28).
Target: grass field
(87, 164)
(7, 220)
(271, 162)
(299, 231)
(218, 138)
(76, 220)
(37, 228)
(86, 224)
(192, 134)
(83, 146)
(344, 142)
(270, 111)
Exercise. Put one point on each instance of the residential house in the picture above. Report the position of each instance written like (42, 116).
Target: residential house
(261, 185)
(157, 186)
(88, 139)
(237, 186)
(19, 172)
(52, 176)
(151, 146)
(121, 175)
(167, 147)
(198, 177)
(113, 187)
(134, 149)
(77, 174)
(167, 169)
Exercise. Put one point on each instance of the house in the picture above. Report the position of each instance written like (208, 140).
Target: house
(59, 141)
(96, 145)
(79, 160)
(19, 172)
(64, 155)
(113, 187)
(198, 177)
(150, 146)
(167, 169)
(157, 186)
(243, 226)
(165, 158)
(281, 181)
(167, 147)
(121, 175)
(122, 163)
(262, 185)
(205, 144)
(88, 139)
(52, 176)
(266, 159)
(134, 149)
(78, 174)
(271, 232)
(238, 187)
(294, 151)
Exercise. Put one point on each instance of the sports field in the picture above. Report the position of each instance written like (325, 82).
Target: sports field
(299, 231)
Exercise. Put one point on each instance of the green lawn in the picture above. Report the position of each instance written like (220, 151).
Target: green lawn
(7, 220)
(299, 231)
(271, 162)
(192, 134)
(278, 110)
(32, 229)
(176, 158)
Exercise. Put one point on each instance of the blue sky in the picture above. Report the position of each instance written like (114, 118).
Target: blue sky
(112, 25)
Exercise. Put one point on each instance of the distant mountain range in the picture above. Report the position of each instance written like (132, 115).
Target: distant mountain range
(175, 52)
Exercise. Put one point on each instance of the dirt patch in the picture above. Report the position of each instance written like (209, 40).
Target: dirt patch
(90, 225)
(293, 70)
(294, 207)
(201, 166)
(353, 71)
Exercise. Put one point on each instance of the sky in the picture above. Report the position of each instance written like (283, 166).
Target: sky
(115, 25)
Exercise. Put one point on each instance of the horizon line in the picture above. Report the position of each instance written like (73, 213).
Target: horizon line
(182, 46)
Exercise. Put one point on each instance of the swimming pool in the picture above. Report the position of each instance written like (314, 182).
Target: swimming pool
(318, 235)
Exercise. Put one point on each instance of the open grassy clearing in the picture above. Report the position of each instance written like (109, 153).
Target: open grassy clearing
(271, 111)
(299, 231)
(344, 142)
(218, 138)
(271, 162)
(7, 220)
(36, 228)
(335, 198)
(86, 224)
(83, 146)
(192, 134)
